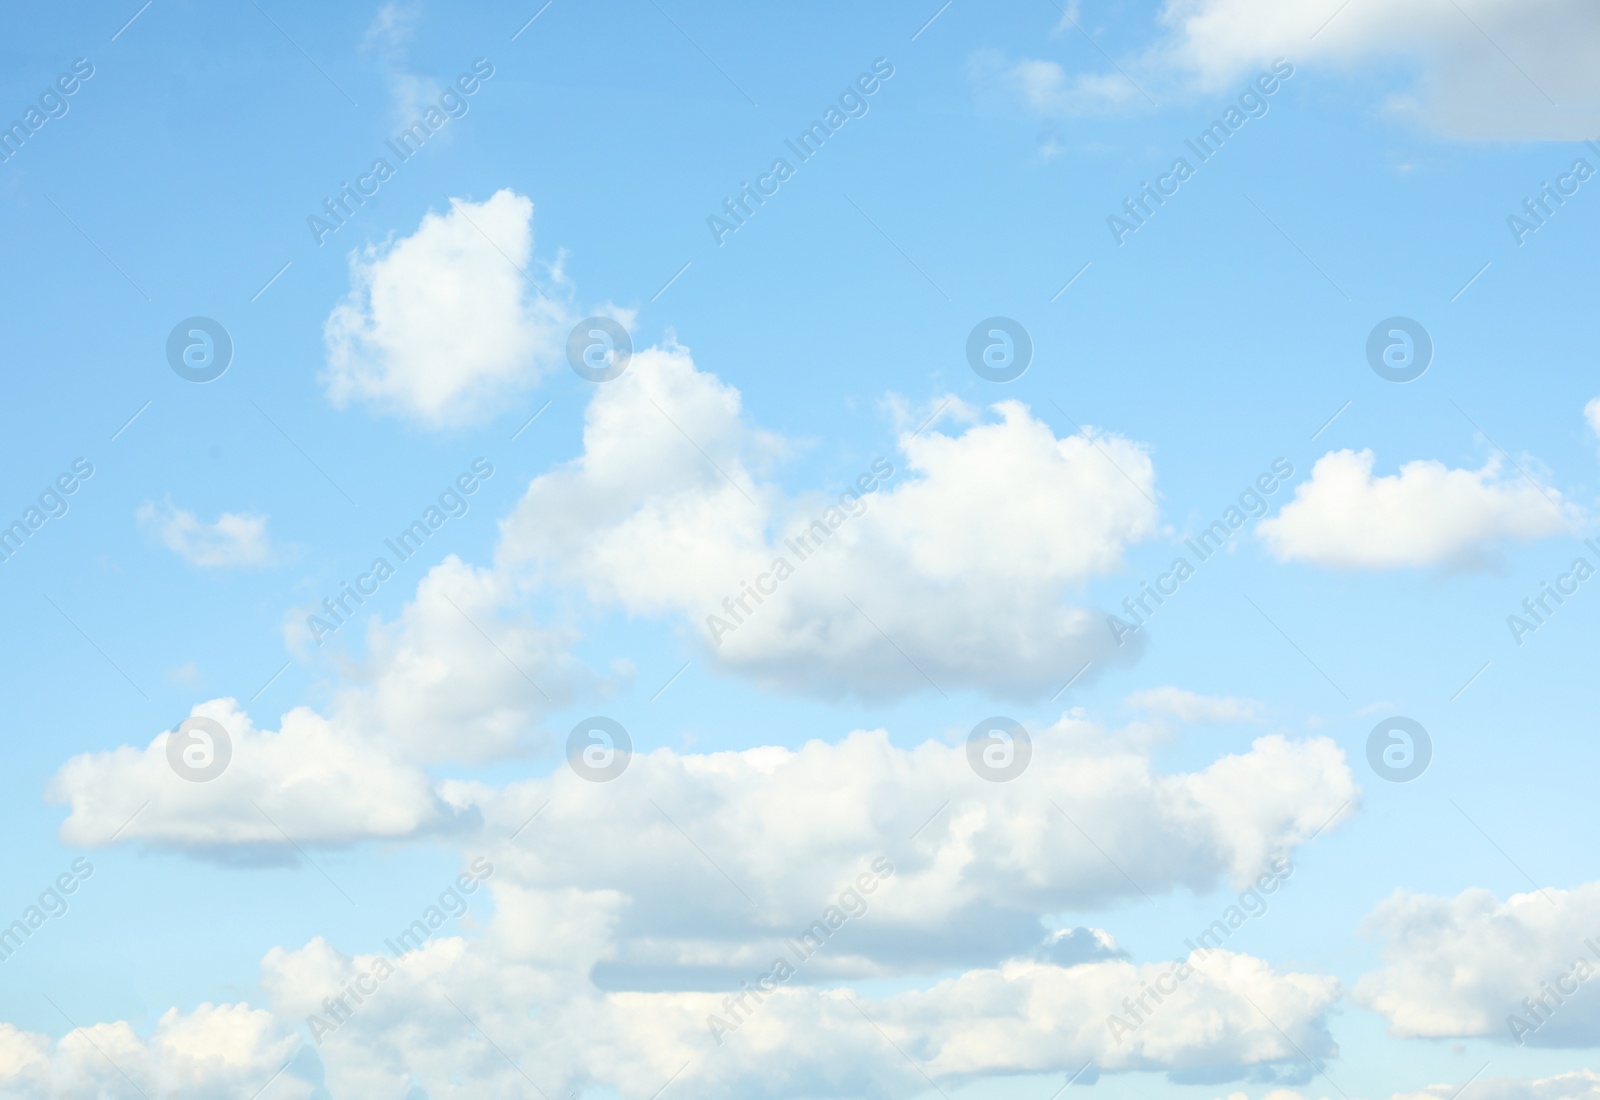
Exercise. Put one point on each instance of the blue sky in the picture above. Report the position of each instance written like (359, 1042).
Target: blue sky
(409, 347)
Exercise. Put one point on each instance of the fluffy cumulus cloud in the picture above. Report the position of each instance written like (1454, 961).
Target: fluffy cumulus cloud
(308, 780)
(1591, 413)
(917, 894)
(213, 1053)
(1345, 517)
(235, 539)
(777, 832)
(600, 926)
(445, 324)
(890, 586)
(951, 562)
(1496, 69)
(424, 1012)
(1519, 970)
(461, 674)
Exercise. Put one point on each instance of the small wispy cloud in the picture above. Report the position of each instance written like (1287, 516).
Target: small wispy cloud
(1189, 706)
(235, 540)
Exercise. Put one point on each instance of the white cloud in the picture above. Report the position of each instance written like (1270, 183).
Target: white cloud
(1427, 514)
(1581, 1084)
(972, 887)
(215, 1052)
(1467, 965)
(1591, 413)
(606, 917)
(442, 326)
(391, 28)
(1187, 706)
(387, 38)
(1044, 87)
(803, 1041)
(1490, 69)
(961, 568)
(787, 827)
(422, 1015)
(234, 540)
(312, 780)
(460, 675)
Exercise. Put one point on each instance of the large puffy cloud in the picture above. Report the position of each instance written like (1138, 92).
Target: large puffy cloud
(663, 514)
(443, 325)
(1517, 69)
(1474, 965)
(216, 1052)
(612, 919)
(1345, 517)
(423, 1023)
(953, 563)
(461, 674)
(309, 779)
(443, 1016)
(769, 835)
